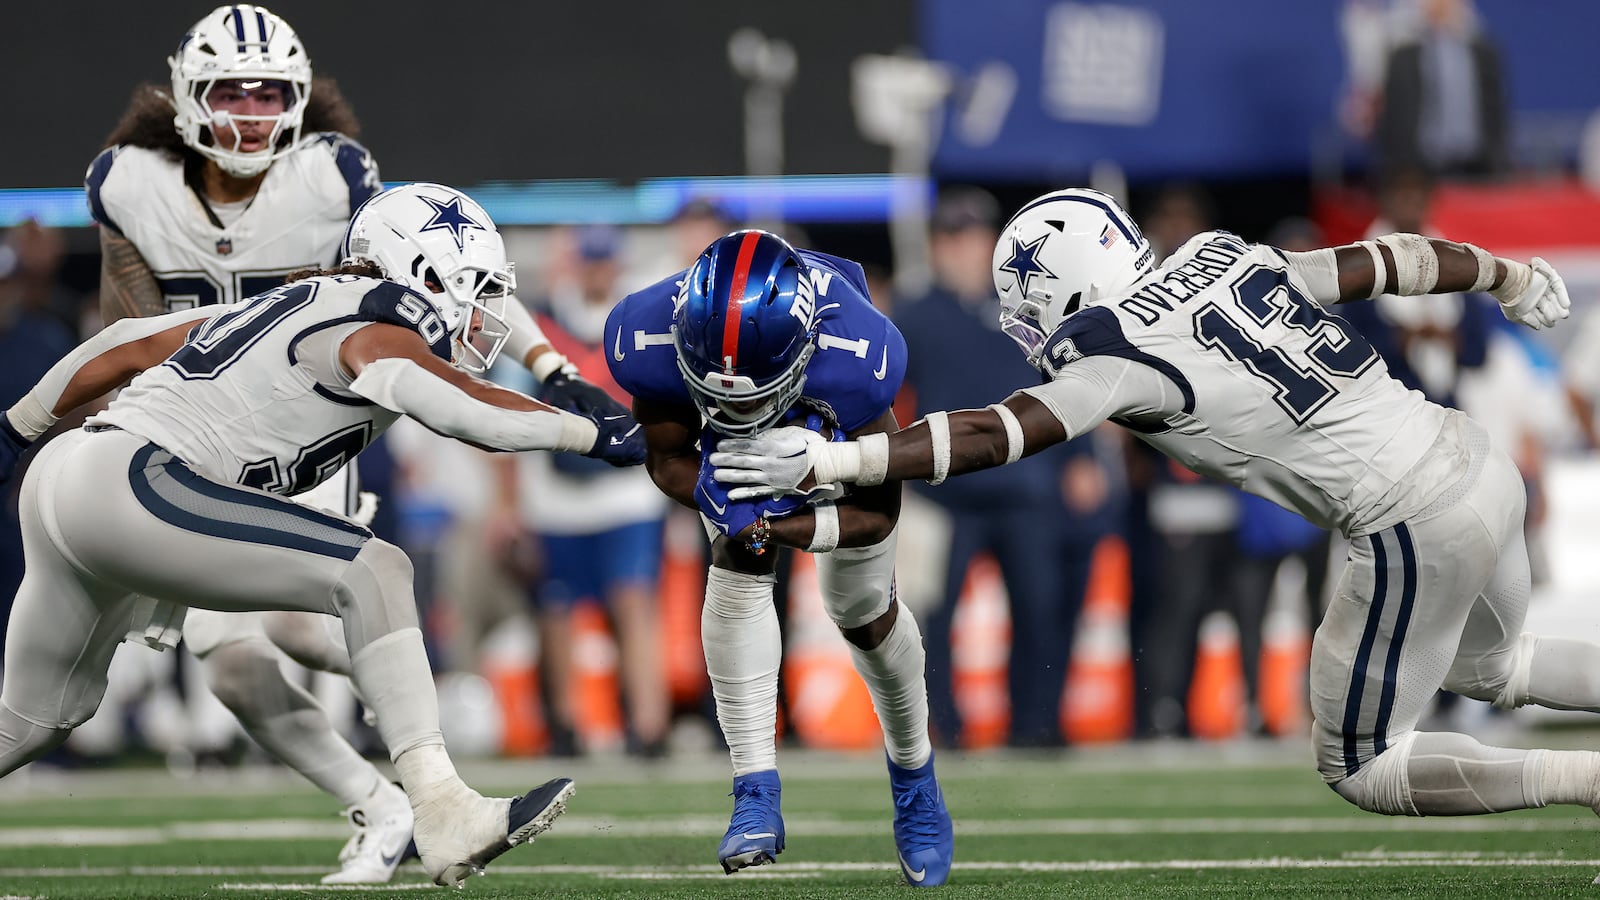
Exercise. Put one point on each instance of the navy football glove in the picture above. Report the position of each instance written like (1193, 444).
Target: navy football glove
(566, 389)
(620, 441)
(12, 444)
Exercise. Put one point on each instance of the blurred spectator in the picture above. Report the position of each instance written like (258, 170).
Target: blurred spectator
(599, 527)
(31, 340)
(1444, 106)
(959, 358)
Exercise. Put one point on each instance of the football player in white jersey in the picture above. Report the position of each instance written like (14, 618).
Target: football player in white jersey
(179, 491)
(248, 170)
(1225, 358)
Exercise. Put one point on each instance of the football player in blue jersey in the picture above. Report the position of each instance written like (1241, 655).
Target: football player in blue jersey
(754, 334)
(1226, 357)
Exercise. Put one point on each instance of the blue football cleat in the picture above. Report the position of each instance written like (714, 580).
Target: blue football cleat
(922, 832)
(755, 835)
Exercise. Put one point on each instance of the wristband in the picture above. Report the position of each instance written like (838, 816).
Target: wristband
(1380, 273)
(825, 535)
(1416, 263)
(1013, 431)
(872, 458)
(939, 434)
(1486, 267)
(546, 364)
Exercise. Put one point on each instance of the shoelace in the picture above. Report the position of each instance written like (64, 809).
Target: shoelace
(920, 816)
(750, 816)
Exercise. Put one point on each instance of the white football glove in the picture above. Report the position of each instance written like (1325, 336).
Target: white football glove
(1534, 295)
(771, 463)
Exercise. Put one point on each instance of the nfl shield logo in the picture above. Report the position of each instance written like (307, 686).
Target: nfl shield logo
(224, 246)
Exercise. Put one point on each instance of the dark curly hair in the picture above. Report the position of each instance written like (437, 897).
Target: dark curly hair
(147, 122)
(367, 269)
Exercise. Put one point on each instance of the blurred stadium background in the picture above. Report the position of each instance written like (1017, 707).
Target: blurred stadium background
(842, 123)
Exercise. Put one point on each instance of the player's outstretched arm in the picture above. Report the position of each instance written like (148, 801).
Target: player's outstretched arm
(861, 518)
(119, 352)
(396, 370)
(127, 286)
(1410, 265)
(934, 448)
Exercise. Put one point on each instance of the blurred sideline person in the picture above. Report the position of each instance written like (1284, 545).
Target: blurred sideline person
(246, 172)
(1224, 357)
(177, 495)
(600, 528)
(1005, 512)
(754, 333)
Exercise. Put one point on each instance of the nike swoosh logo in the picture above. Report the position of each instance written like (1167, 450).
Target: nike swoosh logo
(392, 861)
(721, 510)
(883, 366)
(616, 349)
(913, 874)
(762, 836)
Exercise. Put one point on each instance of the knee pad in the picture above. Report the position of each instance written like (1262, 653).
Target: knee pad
(857, 583)
(1380, 785)
(374, 595)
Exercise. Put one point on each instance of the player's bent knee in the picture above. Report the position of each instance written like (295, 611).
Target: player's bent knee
(374, 595)
(737, 595)
(857, 583)
(1379, 785)
(22, 741)
(241, 674)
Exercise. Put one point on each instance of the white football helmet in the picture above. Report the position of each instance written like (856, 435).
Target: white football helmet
(239, 43)
(438, 242)
(1059, 253)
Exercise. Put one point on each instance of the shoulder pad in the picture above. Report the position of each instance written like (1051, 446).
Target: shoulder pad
(356, 166)
(396, 304)
(94, 180)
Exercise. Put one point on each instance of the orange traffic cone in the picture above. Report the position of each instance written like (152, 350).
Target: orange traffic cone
(1285, 654)
(682, 592)
(1097, 704)
(828, 703)
(1216, 694)
(980, 634)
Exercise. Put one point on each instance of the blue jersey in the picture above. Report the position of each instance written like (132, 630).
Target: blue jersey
(851, 379)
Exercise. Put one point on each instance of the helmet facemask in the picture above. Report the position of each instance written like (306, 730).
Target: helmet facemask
(239, 48)
(735, 405)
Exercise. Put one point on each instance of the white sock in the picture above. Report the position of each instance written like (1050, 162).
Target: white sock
(393, 675)
(893, 671)
(743, 648)
(1568, 776)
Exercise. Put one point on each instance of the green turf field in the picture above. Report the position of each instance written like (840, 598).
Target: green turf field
(1172, 820)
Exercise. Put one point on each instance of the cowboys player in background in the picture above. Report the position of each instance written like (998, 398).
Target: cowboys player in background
(752, 334)
(1225, 358)
(246, 171)
(179, 490)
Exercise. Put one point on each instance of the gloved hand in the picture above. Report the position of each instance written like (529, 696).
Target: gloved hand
(734, 517)
(773, 462)
(620, 440)
(12, 444)
(566, 389)
(1533, 295)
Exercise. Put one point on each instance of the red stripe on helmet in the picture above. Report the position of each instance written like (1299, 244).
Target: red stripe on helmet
(730, 323)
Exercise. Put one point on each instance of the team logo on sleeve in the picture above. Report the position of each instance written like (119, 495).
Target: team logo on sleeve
(450, 217)
(1024, 262)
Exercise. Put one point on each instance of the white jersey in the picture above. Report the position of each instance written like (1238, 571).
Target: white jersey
(257, 395)
(296, 220)
(1273, 394)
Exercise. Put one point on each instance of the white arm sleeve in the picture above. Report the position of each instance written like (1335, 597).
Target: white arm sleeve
(1094, 389)
(1319, 269)
(404, 387)
(525, 335)
(34, 413)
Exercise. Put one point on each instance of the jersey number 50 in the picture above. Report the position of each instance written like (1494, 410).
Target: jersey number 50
(1301, 371)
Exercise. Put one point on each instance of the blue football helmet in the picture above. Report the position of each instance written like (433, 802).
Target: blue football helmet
(745, 326)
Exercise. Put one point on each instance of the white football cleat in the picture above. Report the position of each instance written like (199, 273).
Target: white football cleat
(383, 832)
(461, 838)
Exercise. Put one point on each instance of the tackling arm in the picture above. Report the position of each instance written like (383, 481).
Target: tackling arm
(127, 287)
(863, 517)
(395, 369)
(1409, 264)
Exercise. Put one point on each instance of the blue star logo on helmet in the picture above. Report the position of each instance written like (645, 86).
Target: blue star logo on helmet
(447, 215)
(1024, 262)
